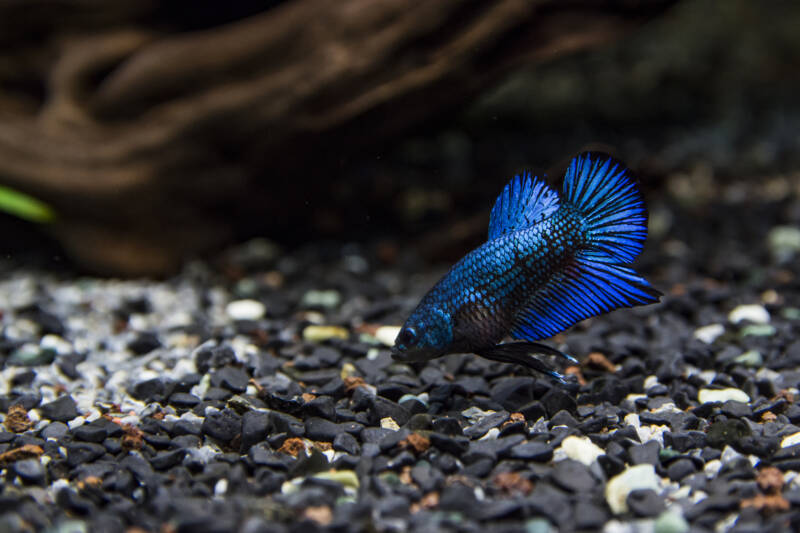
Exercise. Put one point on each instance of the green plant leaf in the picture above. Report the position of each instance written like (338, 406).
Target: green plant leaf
(23, 206)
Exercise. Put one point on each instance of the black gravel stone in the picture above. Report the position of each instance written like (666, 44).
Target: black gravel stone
(167, 459)
(183, 400)
(680, 468)
(112, 446)
(62, 409)
(420, 422)
(374, 435)
(217, 394)
(573, 476)
(207, 358)
(380, 408)
(144, 343)
(563, 418)
(589, 516)
(513, 392)
(646, 453)
(186, 427)
(79, 453)
(322, 430)
(69, 500)
(532, 451)
(486, 423)
(392, 440)
(89, 433)
(30, 471)
(230, 377)
(187, 381)
(611, 465)
(54, 430)
(460, 498)
(288, 424)
(447, 425)
(685, 441)
(453, 444)
(222, 425)
(68, 365)
(727, 432)
(25, 399)
(427, 478)
(322, 406)
(556, 400)
(255, 426)
(347, 443)
(533, 411)
(153, 390)
(734, 409)
(645, 503)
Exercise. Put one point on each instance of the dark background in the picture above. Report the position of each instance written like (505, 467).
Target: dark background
(698, 97)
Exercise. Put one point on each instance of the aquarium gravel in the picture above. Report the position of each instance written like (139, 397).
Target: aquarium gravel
(258, 393)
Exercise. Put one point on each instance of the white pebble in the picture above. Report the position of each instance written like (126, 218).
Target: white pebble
(221, 487)
(632, 419)
(712, 467)
(492, 434)
(650, 381)
(76, 422)
(790, 440)
(56, 343)
(722, 395)
(754, 313)
(729, 454)
(633, 478)
(387, 334)
(581, 449)
(245, 310)
(389, 423)
(709, 334)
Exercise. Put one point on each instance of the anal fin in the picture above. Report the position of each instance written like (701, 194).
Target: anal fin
(523, 353)
(585, 288)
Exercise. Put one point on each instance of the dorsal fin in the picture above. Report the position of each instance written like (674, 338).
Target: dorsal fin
(523, 202)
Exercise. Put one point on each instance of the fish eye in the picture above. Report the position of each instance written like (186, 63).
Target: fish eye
(407, 335)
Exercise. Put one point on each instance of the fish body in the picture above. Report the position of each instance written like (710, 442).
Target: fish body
(550, 261)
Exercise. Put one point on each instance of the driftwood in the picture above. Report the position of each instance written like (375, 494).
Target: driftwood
(148, 141)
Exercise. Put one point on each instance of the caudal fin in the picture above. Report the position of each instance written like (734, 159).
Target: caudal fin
(612, 209)
(596, 281)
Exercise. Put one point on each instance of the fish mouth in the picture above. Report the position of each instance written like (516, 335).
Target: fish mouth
(411, 355)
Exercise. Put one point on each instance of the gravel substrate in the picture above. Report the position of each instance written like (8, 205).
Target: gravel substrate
(260, 395)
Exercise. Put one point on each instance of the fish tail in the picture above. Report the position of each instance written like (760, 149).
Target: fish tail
(602, 191)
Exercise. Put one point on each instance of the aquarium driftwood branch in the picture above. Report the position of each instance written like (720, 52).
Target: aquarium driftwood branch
(147, 141)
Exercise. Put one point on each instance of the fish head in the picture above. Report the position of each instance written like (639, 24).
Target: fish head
(427, 334)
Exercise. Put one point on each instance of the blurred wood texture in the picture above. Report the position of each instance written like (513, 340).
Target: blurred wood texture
(148, 140)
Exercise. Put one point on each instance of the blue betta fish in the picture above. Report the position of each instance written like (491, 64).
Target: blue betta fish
(549, 263)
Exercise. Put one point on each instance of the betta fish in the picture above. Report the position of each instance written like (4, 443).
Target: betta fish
(550, 261)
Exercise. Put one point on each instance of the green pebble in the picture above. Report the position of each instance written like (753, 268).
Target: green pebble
(245, 288)
(670, 522)
(366, 338)
(537, 525)
(757, 330)
(69, 526)
(321, 299)
(791, 313)
(751, 358)
(665, 454)
(347, 478)
(32, 356)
